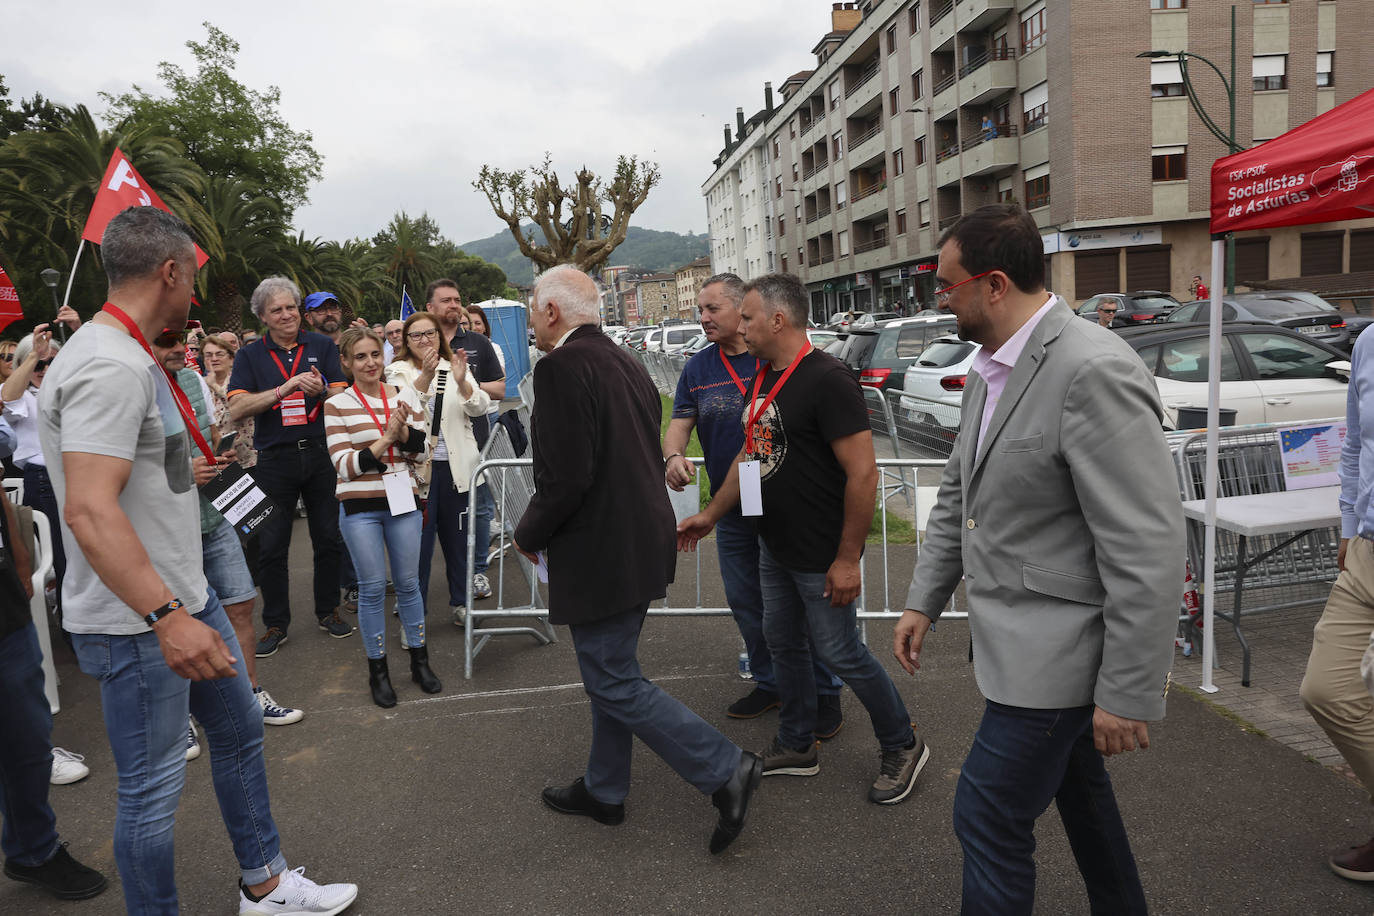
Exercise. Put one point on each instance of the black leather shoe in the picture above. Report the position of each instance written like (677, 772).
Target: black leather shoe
(575, 799)
(732, 801)
(379, 681)
(62, 876)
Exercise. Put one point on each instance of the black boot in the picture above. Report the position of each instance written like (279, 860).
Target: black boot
(420, 672)
(379, 679)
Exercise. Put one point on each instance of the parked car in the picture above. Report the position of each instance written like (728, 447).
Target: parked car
(933, 386)
(879, 355)
(843, 321)
(1269, 374)
(1141, 306)
(651, 343)
(635, 339)
(615, 332)
(869, 319)
(675, 337)
(821, 339)
(695, 345)
(1321, 322)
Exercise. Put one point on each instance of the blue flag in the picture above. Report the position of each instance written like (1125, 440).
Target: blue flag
(407, 309)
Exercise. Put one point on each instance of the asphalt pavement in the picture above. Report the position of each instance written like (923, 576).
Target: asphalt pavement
(433, 806)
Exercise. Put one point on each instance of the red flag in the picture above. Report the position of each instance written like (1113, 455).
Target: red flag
(1318, 172)
(9, 302)
(121, 188)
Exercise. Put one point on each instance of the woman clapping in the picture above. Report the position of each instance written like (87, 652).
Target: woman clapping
(375, 436)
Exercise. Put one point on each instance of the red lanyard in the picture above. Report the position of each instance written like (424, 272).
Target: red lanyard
(381, 424)
(731, 369)
(188, 415)
(758, 382)
(287, 376)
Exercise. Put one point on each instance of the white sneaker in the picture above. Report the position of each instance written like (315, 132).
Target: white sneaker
(192, 742)
(297, 895)
(460, 616)
(274, 714)
(481, 586)
(67, 767)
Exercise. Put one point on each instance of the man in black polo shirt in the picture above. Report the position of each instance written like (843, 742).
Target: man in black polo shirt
(444, 301)
(283, 381)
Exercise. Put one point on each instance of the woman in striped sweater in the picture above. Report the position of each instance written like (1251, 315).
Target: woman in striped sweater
(375, 435)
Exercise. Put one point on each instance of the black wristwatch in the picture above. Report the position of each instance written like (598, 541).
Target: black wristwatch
(154, 616)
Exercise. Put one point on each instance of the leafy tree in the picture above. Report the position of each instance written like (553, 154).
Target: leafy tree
(36, 113)
(230, 131)
(245, 246)
(585, 236)
(405, 252)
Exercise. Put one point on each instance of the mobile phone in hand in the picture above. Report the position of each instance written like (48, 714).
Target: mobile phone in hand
(226, 442)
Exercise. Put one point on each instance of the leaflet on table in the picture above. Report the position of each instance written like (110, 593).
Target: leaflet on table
(238, 498)
(1311, 455)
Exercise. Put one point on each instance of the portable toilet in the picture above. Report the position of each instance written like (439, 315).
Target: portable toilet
(510, 328)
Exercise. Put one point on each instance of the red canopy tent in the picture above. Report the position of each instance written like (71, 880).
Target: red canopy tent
(1318, 172)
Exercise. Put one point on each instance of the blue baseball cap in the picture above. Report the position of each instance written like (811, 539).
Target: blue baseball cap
(316, 300)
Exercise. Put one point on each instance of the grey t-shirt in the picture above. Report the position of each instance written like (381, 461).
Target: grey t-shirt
(104, 395)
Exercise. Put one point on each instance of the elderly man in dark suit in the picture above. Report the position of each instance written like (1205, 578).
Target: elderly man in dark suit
(599, 490)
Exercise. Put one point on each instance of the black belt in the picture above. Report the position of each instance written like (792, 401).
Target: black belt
(299, 445)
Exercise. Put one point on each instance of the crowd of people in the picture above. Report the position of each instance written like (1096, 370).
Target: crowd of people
(1072, 583)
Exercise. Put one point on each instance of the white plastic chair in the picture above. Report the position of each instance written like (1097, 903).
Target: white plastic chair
(38, 605)
(14, 489)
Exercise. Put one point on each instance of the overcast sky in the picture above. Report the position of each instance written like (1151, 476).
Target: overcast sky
(406, 100)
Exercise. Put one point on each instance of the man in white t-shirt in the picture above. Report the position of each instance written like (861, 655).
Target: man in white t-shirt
(143, 620)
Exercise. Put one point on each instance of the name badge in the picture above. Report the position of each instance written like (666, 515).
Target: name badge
(750, 489)
(239, 499)
(293, 409)
(400, 498)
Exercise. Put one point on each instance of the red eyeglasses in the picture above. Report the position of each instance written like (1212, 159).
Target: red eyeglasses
(942, 295)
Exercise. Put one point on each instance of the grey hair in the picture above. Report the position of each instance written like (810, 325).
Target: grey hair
(573, 290)
(732, 285)
(139, 240)
(25, 347)
(269, 288)
(784, 293)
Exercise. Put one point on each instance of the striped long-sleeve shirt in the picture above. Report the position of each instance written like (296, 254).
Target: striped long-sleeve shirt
(350, 430)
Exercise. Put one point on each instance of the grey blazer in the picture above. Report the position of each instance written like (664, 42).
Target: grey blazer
(1067, 527)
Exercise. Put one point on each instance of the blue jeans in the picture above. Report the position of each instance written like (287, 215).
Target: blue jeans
(737, 546)
(795, 607)
(366, 534)
(145, 706)
(226, 570)
(1021, 760)
(30, 832)
(446, 513)
(486, 511)
(625, 704)
(284, 473)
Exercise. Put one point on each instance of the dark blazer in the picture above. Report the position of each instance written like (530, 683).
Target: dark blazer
(600, 508)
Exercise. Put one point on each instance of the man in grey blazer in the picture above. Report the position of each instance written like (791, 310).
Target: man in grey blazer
(1073, 577)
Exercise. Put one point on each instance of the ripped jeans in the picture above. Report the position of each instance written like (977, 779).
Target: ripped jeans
(372, 537)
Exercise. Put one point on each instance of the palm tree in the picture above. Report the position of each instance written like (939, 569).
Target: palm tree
(246, 244)
(405, 253)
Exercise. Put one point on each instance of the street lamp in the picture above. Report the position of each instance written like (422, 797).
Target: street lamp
(1229, 136)
(50, 278)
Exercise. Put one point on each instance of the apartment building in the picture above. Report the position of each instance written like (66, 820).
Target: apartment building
(915, 112)
(656, 298)
(690, 278)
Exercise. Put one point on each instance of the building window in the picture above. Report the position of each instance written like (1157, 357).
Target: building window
(782, 225)
(1270, 72)
(1033, 27)
(1168, 4)
(901, 222)
(1170, 163)
(916, 80)
(913, 18)
(834, 94)
(839, 196)
(837, 144)
(795, 172)
(842, 243)
(1166, 78)
(1267, 2)
(898, 162)
(923, 213)
(1038, 186)
(894, 101)
(801, 257)
(777, 149)
(920, 150)
(892, 39)
(797, 214)
(792, 128)
(1035, 102)
(777, 186)
(1325, 69)
(784, 263)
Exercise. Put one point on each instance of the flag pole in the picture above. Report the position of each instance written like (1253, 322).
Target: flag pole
(71, 277)
(403, 302)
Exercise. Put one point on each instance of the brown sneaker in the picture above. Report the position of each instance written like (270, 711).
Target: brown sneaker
(1355, 863)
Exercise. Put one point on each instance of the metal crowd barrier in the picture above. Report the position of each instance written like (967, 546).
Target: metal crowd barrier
(515, 587)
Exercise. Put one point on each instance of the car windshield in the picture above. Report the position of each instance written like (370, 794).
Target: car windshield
(945, 353)
(1278, 309)
(680, 335)
(1153, 303)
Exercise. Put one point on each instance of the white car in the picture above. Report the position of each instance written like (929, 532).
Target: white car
(677, 336)
(652, 341)
(615, 332)
(933, 386)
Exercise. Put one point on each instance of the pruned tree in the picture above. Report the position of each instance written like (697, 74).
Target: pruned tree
(582, 223)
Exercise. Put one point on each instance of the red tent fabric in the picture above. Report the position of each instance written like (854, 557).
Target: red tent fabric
(1318, 172)
(10, 310)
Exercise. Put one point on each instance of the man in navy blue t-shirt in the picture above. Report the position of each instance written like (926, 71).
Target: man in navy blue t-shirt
(711, 394)
(282, 381)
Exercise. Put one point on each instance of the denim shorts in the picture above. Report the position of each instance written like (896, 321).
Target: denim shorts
(225, 568)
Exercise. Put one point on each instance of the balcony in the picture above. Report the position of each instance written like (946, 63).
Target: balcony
(869, 201)
(947, 168)
(822, 211)
(814, 169)
(944, 95)
(974, 15)
(941, 24)
(874, 245)
(868, 149)
(991, 150)
(948, 221)
(865, 75)
(987, 76)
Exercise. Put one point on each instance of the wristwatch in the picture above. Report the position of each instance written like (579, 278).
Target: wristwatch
(154, 616)
(672, 456)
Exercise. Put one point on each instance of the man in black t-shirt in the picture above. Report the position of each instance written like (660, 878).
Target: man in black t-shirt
(808, 459)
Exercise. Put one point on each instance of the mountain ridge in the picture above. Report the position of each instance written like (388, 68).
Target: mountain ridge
(653, 250)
